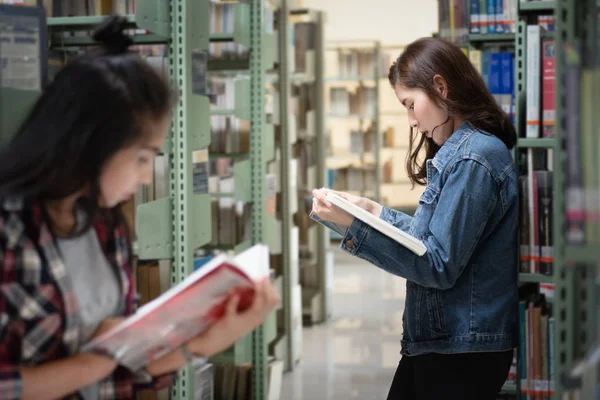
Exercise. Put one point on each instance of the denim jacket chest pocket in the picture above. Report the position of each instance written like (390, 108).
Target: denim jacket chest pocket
(427, 204)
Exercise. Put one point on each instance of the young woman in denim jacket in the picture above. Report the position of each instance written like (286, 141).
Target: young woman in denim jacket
(65, 264)
(459, 319)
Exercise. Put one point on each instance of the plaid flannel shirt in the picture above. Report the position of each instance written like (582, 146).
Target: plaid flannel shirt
(38, 308)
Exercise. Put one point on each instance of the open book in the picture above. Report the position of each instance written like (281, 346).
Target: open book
(408, 241)
(183, 311)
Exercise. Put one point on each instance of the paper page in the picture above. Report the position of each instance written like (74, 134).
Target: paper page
(254, 262)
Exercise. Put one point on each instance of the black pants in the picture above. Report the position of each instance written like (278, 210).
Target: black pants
(465, 376)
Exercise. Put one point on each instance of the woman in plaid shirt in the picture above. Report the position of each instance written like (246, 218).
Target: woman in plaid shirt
(65, 273)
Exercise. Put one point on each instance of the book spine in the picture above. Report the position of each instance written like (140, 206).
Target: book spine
(495, 76)
(533, 68)
(549, 88)
(544, 356)
(524, 249)
(491, 16)
(475, 24)
(506, 82)
(537, 352)
(499, 15)
(523, 350)
(483, 16)
(545, 221)
(475, 58)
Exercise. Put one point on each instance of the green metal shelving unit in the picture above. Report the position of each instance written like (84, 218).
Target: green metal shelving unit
(577, 22)
(173, 227)
(563, 277)
(250, 168)
(290, 275)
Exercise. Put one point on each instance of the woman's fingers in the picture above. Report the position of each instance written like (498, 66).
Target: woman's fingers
(343, 194)
(321, 195)
(232, 306)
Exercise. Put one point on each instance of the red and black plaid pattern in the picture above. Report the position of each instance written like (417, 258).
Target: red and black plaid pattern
(38, 308)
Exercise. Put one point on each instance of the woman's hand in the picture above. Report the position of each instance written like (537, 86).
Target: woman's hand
(235, 324)
(107, 363)
(328, 212)
(60, 378)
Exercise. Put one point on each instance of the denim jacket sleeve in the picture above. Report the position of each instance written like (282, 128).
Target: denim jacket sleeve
(397, 218)
(465, 203)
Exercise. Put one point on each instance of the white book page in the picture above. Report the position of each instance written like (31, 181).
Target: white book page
(412, 243)
(254, 262)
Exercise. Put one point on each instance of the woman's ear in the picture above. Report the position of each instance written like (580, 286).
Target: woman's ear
(440, 85)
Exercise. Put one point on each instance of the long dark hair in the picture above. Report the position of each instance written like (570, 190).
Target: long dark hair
(468, 97)
(95, 106)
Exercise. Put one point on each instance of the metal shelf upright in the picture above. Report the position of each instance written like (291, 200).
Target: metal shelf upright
(250, 98)
(290, 273)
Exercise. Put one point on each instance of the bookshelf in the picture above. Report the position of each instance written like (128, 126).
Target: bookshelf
(497, 43)
(302, 168)
(353, 130)
(171, 227)
(179, 228)
(308, 142)
(578, 60)
(244, 50)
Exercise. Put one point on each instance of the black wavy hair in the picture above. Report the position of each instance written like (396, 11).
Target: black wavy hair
(95, 106)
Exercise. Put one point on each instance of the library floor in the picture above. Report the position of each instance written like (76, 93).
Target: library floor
(354, 354)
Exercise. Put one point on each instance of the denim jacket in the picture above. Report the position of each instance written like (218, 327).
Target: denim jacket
(461, 296)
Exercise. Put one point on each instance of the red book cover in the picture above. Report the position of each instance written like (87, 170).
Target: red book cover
(184, 311)
(548, 87)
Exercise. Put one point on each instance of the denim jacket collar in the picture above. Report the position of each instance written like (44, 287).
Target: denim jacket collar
(449, 148)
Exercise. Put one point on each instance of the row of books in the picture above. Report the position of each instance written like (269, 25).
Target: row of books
(305, 152)
(362, 101)
(361, 142)
(391, 139)
(453, 20)
(303, 37)
(356, 62)
(68, 8)
(497, 69)
(223, 17)
(301, 103)
(222, 91)
(354, 179)
(306, 235)
(229, 135)
(536, 252)
(387, 170)
(582, 144)
(234, 382)
(492, 16)
(228, 51)
(231, 223)
(540, 83)
(536, 345)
